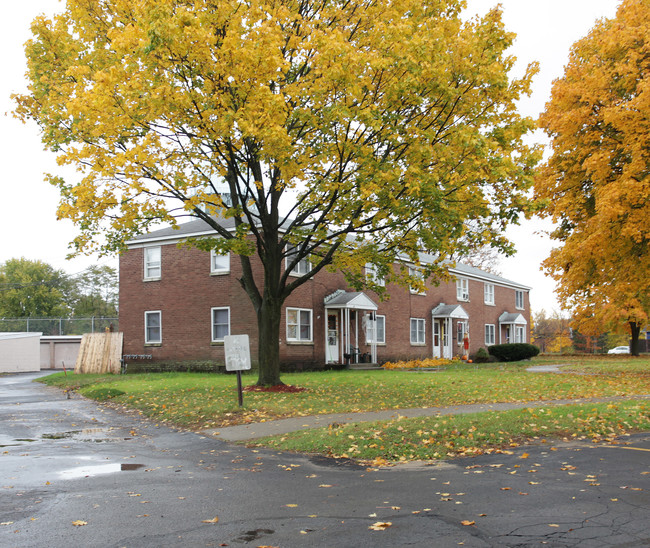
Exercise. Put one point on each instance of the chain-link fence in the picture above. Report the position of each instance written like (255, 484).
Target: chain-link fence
(59, 326)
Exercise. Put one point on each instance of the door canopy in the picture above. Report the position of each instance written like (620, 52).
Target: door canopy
(349, 300)
(512, 318)
(454, 311)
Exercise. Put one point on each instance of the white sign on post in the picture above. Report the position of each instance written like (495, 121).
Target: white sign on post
(238, 353)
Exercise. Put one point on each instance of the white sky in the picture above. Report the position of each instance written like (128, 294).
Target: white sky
(545, 30)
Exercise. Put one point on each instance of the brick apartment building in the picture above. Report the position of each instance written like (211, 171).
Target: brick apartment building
(177, 303)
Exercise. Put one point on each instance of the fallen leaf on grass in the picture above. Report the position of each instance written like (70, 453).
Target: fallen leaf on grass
(79, 523)
(380, 526)
(213, 520)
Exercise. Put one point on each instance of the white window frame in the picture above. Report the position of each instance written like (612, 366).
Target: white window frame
(490, 334)
(213, 324)
(372, 275)
(519, 299)
(147, 314)
(152, 267)
(381, 331)
(415, 273)
(488, 293)
(462, 327)
(297, 338)
(420, 331)
(462, 289)
(301, 268)
(219, 264)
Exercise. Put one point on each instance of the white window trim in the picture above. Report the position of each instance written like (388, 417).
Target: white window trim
(518, 306)
(212, 310)
(148, 266)
(462, 328)
(490, 329)
(297, 339)
(219, 271)
(372, 275)
(296, 270)
(488, 293)
(424, 331)
(462, 289)
(370, 331)
(146, 327)
(415, 273)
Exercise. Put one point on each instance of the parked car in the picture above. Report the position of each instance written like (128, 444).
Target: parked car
(620, 350)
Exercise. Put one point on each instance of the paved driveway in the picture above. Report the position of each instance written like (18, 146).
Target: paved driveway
(129, 482)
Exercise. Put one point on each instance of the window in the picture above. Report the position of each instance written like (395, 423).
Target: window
(299, 325)
(219, 264)
(152, 263)
(488, 292)
(372, 275)
(415, 273)
(520, 334)
(417, 330)
(462, 289)
(519, 299)
(489, 334)
(378, 328)
(153, 327)
(302, 267)
(220, 323)
(461, 329)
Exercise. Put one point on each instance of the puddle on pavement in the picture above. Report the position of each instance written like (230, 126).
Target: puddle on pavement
(89, 471)
(87, 434)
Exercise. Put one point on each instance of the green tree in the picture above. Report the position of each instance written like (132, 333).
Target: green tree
(96, 290)
(33, 289)
(345, 131)
(596, 184)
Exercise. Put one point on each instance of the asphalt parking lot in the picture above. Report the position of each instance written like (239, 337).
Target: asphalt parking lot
(73, 473)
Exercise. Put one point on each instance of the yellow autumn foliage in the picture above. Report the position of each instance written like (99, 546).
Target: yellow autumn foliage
(596, 183)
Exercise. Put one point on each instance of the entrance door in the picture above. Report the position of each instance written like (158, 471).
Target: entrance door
(436, 339)
(446, 333)
(333, 355)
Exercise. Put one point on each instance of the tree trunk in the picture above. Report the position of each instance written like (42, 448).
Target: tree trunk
(268, 324)
(635, 330)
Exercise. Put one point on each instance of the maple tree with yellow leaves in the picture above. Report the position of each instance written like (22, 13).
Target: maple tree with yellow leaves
(346, 132)
(597, 182)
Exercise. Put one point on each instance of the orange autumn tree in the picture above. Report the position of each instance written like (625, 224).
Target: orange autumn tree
(343, 132)
(597, 181)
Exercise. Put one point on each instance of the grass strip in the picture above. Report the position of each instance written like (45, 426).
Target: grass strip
(208, 400)
(442, 437)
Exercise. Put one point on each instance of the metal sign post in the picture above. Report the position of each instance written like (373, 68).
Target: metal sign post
(238, 358)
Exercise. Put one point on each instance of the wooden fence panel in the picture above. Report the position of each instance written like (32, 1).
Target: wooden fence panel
(100, 353)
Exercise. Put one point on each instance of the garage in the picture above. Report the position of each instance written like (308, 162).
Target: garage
(20, 352)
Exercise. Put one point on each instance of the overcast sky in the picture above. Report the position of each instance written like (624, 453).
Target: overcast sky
(545, 30)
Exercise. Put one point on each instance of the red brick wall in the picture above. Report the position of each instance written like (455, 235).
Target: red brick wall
(186, 293)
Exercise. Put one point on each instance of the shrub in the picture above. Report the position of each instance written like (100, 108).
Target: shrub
(482, 356)
(513, 352)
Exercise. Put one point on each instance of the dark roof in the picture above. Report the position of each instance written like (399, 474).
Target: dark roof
(196, 227)
(199, 227)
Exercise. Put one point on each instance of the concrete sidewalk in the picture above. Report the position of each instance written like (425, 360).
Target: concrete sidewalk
(283, 426)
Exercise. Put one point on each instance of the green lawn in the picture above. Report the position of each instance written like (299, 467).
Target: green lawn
(203, 400)
(434, 438)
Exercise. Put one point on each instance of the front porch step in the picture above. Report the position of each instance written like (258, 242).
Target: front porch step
(364, 366)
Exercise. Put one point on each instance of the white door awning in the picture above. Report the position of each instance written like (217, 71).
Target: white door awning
(349, 300)
(454, 311)
(512, 318)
